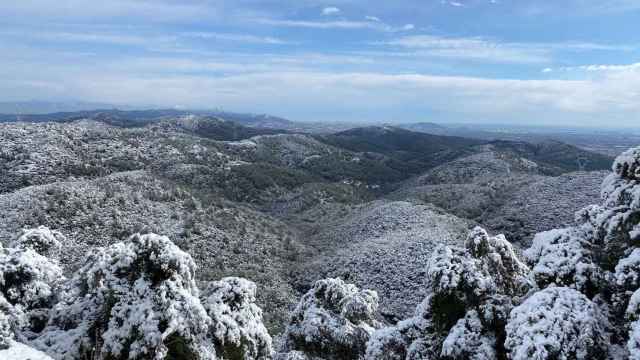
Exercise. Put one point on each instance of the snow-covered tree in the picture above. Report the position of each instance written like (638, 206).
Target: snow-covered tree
(415, 338)
(131, 300)
(614, 226)
(564, 257)
(486, 265)
(557, 323)
(472, 291)
(600, 256)
(468, 339)
(626, 281)
(28, 285)
(333, 320)
(139, 300)
(632, 314)
(42, 240)
(627, 272)
(236, 327)
(294, 355)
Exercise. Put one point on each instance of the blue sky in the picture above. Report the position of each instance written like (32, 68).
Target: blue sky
(560, 62)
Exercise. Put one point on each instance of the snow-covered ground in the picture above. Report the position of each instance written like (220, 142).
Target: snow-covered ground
(18, 351)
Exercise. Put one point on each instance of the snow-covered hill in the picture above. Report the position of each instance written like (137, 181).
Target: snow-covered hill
(504, 192)
(383, 246)
(283, 210)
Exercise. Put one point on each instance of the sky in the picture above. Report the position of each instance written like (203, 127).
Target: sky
(522, 62)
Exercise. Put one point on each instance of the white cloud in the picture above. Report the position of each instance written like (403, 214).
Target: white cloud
(567, 9)
(477, 48)
(246, 38)
(319, 24)
(338, 24)
(472, 49)
(455, 3)
(372, 18)
(609, 67)
(586, 46)
(118, 39)
(598, 7)
(408, 27)
(152, 42)
(547, 70)
(280, 88)
(602, 68)
(331, 10)
(150, 11)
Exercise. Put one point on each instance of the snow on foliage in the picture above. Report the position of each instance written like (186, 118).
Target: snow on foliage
(453, 271)
(472, 291)
(633, 345)
(616, 222)
(627, 272)
(293, 355)
(499, 260)
(468, 340)
(616, 225)
(413, 338)
(28, 284)
(488, 265)
(563, 257)
(627, 165)
(6, 335)
(42, 240)
(237, 326)
(137, 299)
(556, 323)
(632, 314)
(600, 258)
(487, 268)
(333, 320)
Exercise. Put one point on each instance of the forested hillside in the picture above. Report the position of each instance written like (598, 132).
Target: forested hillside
(367, 229)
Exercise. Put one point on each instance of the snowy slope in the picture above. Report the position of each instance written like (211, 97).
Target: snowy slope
(18, 351)
(385, 246)
(505, 193)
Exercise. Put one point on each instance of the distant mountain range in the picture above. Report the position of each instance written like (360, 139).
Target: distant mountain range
(47, 107)
(427, 127)
(10, 112)
(216, 128)
(408, 148)
(610, 142)
(353, 136)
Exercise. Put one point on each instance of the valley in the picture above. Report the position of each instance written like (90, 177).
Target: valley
(257, 197)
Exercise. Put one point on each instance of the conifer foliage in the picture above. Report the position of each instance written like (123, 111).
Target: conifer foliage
(132, 300)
